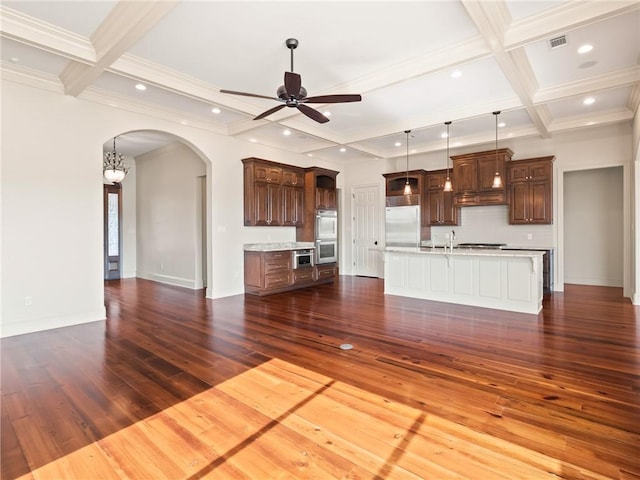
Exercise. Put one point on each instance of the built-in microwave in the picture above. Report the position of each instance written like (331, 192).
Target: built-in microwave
(326, 251)
(303, 258)
(326, 225)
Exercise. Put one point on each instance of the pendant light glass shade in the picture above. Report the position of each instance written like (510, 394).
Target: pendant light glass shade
(407, 187)
(448, 187)
(497, 179)
(113, 168)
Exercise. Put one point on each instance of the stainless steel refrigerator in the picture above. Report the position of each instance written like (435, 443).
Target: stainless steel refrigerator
(402, 226)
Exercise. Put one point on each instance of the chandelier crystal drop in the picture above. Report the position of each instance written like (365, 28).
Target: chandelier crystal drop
(113, 167)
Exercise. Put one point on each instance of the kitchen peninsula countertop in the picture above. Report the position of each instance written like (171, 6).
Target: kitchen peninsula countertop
(276, 246)
(488, 252)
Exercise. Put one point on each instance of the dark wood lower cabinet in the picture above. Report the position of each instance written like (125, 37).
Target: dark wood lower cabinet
(266, 273)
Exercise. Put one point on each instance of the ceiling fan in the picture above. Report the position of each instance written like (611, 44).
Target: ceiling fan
(293, 94)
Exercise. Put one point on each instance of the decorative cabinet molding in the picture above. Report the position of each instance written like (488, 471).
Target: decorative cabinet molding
(474, 172)
(273, 193)
(531, 191)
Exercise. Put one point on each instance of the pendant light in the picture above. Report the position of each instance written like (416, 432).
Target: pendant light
(447, 184)
(113, 167)
(497, 180)
(407, 187)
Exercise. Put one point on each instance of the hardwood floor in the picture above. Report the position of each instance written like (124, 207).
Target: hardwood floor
(176, 386)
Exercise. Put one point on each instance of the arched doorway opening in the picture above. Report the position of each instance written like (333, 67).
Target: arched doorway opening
(162, 221)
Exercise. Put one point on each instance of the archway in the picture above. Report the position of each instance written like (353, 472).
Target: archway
(164, 208)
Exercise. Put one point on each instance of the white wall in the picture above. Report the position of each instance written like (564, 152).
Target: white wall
(128, 193)
(593, 226)
(167, 212)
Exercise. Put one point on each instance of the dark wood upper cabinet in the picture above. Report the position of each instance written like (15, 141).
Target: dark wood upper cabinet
(273, 193)
(531, 191)
(474, 173)
(395, 182)
(440, 204)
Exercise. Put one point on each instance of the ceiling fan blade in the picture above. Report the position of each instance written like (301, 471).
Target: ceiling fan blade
(333, 99)
(249, 94)
(269, 112)
(312, 114)
(292, 84)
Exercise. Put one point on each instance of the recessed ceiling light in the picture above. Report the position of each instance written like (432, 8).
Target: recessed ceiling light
(444, 135)
(589, 101)
(586, 48)
(286, 133)
(184, 122)
(398, 144)
(253, 140)
(140, 87)
(216, 110)
(326, 114)
(413, 150)
(309, 154)
(456, 74)
(343, 149)
(502, 124)
(14, 59)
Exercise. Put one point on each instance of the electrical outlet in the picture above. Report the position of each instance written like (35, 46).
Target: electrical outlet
(162, 266)
(529, 236)
(28, 301)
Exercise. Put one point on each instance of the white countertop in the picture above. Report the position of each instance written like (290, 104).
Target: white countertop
(276, 246)
(466, 252)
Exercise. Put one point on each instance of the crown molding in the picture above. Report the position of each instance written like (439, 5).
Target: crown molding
(28, 30)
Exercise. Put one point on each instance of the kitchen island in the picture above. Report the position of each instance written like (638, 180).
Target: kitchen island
(500, 279)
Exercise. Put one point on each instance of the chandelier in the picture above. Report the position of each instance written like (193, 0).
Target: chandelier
(113, 167)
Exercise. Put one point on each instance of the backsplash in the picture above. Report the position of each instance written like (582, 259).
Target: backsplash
(490, 224)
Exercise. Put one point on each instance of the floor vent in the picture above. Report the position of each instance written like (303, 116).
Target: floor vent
(557, 42)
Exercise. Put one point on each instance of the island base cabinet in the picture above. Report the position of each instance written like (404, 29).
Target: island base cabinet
(511, 283)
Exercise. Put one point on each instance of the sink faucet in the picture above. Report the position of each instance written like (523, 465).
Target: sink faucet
(452, 237)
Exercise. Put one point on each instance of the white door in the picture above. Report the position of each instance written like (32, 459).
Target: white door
(367, 255)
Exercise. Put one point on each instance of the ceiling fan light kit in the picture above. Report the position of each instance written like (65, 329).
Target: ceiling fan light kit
(293, 95)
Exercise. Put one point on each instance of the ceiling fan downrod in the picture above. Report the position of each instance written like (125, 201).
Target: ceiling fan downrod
(291, 44)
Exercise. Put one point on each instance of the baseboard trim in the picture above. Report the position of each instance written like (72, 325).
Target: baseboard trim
(170, 280)
(10, 329)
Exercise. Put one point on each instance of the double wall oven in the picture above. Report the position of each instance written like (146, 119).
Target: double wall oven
(326, 236)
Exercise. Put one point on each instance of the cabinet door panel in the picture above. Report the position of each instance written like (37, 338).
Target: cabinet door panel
(449, 212)
(518, 210)
(434, 206)
(541, 210)
(487, 168)
(466, 175)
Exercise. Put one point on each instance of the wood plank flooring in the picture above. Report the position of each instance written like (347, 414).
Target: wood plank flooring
(175, 386)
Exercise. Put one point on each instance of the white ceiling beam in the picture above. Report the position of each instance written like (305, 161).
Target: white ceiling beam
(127, 23)
(563, 18)
(492, 20)
(606, 81)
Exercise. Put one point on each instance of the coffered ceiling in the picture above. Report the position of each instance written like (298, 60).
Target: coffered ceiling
(416, 65)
